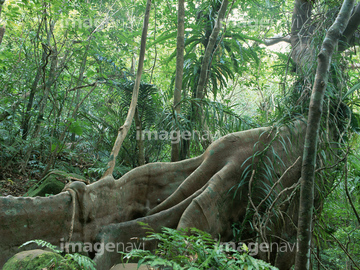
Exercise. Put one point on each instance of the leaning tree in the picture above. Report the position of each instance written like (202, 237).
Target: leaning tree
(250, 178)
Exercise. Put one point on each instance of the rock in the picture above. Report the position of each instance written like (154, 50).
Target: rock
(53, 183)
(36, 259)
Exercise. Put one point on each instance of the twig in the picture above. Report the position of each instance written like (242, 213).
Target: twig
(347, 192)
(342, 247)
(278, 181)
(81, 86)
(316, 257)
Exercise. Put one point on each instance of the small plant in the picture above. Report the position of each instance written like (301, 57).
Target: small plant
(192, 249)
(69, 261)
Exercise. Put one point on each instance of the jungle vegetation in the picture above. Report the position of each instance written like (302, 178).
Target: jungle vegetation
(238, 118)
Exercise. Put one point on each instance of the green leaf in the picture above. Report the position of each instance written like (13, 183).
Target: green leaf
(352, 90)
(76, 128)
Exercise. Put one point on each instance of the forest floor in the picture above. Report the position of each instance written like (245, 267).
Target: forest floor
(15, 184)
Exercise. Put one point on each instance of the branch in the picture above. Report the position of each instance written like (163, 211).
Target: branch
(348, 194)
(341, 246)
(277, 182)
(275, 40)
(81, 86)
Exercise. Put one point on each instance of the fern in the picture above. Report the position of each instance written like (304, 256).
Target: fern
(179, 250)
(75, 261)
(82, 261)
(42, 243)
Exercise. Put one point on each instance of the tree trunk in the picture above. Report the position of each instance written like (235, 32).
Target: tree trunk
(175, 149)
(139, 141)
(312, 134)
(2, 28)
(209, 192)
(123, 130)
(79, 82)
(209, 51)
(205, 67)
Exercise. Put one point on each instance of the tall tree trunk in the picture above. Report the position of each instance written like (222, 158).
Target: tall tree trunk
(312, 132)
(179, 74)
(123, 130)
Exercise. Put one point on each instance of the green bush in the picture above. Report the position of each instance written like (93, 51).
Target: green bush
(39, 259)
(192, 249)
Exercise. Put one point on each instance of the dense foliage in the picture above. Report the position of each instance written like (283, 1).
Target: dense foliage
(193, 249)
(66, 79)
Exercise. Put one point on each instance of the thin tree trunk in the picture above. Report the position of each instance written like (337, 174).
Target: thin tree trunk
(78, 83)
(2, 32)
(123, 130)
(209, 50)
(2, 28)
(139, 141)
(312, 132)
(179, 74)
(138, 124)
(205, 67)
(1, 4)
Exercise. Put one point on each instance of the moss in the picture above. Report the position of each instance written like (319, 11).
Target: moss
(36, 259)
(53, 183)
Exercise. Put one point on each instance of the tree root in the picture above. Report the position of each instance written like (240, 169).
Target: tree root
(209, 192)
